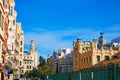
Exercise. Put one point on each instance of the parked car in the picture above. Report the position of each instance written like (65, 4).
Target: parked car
(17, 79)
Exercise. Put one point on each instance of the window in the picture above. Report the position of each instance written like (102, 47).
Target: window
(30, 67)
(98, 58)
(64, 51)
(27, 67)
(10, 10)
(115, 57)
(84, 60)
(20, 63)
(75, 62)
(13, 22)
(89, 58)
(107, 58)
(20, 49)
(59, 54)
(21, 42)
(10, 29)
(22, 71)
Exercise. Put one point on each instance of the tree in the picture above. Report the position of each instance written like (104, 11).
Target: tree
(42, 61)
(48, 61)
(42, 70)
(26, 74)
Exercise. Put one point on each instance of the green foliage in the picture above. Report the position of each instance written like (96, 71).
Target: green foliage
(34, 73)
(48, 61)
(42, 61)
(26, 74)
(31, 74)
(42, 70)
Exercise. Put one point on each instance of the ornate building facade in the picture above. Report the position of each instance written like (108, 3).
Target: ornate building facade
(90, 53)
(11, 41)
(19, 48)
(4, 13)
(10, 65)
(30, 59)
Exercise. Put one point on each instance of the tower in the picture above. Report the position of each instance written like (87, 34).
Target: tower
(32, 48)
(79, 45)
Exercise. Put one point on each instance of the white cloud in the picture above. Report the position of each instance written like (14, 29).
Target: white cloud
(51, 40)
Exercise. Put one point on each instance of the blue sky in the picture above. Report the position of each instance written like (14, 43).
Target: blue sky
(54, 24)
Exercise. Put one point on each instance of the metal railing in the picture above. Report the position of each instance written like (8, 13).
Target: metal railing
(109, 72)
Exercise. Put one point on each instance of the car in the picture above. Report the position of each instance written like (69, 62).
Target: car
(17, 79)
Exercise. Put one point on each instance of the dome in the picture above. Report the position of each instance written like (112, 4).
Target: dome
(116, 40)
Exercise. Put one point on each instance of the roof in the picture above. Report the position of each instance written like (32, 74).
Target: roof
(106, 62)
(116, 40)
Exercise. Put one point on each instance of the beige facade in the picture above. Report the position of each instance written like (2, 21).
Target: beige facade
(19, 48)
(11, 41)
(92, 52)
(4, 9)
(30, 59)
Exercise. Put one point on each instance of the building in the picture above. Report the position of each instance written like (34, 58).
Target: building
(62, 60)
(116, 42)
(4, 13)
(18, 52)
(30, 59)
(90, 53)
(11, 39)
